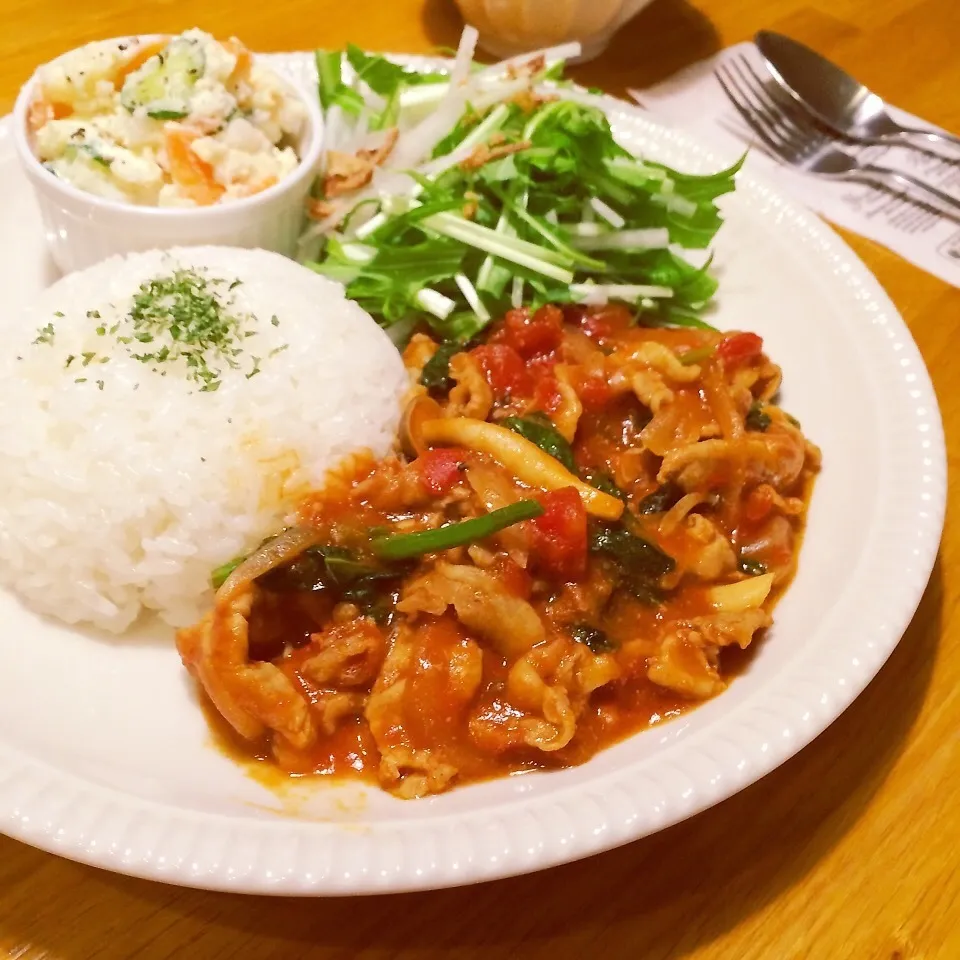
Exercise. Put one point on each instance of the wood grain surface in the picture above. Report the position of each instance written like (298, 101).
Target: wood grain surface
(850, 850)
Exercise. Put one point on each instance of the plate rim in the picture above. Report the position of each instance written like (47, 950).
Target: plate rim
(62, 813)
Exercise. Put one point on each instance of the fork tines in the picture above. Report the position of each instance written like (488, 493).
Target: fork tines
(788, 134)
(767, 111)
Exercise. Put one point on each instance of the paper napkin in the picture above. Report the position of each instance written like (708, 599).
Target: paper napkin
(694, 100)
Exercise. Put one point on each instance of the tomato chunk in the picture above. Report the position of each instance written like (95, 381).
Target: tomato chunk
(594, 392)
(740, 348)
(560, 535)
(546, 394)
(503, 368)
(533, 335)
(441, 469)
(606, 321)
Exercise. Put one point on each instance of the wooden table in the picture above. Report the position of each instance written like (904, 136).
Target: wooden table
(850, 850)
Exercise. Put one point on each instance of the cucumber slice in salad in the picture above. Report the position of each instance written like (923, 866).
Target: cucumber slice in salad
(164, 84)
(88, 150)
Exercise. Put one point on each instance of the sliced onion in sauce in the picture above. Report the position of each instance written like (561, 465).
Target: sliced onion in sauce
(274, 553)
(418, 411)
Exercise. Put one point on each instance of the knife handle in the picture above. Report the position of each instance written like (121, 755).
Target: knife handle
(908, 134)
(911, 184)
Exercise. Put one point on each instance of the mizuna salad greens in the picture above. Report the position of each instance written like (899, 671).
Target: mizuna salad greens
(450, 198)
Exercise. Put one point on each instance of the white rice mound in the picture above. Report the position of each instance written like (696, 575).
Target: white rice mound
(125, 491)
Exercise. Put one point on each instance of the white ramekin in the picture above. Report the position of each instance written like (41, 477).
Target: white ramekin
(82, 228)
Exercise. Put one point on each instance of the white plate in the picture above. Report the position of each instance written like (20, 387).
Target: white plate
(105, 756)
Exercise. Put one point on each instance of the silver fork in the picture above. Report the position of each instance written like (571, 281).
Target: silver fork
(795, 141)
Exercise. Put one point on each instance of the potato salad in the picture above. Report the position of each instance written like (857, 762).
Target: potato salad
(171, 122)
